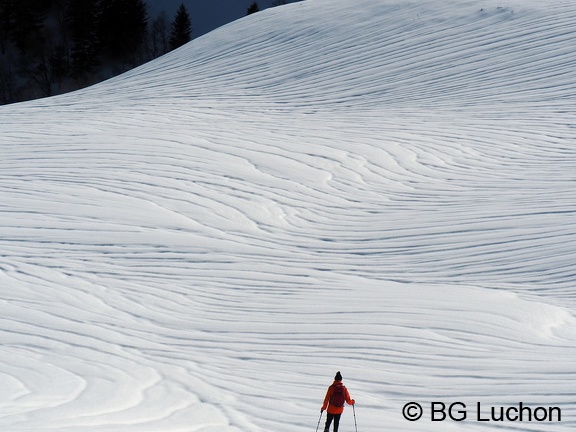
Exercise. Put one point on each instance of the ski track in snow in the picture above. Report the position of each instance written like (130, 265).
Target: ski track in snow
(200, 243)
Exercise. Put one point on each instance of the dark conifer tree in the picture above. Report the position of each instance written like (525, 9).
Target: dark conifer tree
(122, 26)
(181, 28)
(8, 87)
(81, 17)
(6, 22)
(253, 8)
(26, 24)
(59, 64)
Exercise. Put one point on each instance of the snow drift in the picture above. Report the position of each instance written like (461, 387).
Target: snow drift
(382, 188)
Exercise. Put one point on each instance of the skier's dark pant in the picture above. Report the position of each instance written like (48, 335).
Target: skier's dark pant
(329, 418)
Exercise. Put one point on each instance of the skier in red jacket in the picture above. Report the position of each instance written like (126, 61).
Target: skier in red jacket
(336, 395)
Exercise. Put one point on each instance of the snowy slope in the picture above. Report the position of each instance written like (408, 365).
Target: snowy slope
(382, 188)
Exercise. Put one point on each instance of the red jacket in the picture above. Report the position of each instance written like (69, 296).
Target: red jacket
(332, 409)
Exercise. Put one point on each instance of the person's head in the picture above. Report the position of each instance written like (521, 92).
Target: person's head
(338, 376)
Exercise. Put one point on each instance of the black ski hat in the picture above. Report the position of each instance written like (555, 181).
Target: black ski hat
(338, 376)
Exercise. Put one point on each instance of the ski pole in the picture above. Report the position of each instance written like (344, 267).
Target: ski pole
(354, 411)
(318, 425)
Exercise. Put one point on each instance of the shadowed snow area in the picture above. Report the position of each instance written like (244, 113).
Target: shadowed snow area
(385, 188)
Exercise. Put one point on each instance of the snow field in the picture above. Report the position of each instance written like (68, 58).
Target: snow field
(199, 244)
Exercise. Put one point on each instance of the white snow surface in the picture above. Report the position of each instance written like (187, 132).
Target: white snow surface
(386, 188)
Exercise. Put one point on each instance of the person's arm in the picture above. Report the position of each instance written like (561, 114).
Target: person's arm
(349, 400)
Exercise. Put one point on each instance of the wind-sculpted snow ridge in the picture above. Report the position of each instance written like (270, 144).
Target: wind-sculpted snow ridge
(325, 55)
(382, 188)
